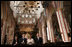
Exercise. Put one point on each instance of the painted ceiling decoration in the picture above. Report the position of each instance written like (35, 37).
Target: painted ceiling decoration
(28, 7)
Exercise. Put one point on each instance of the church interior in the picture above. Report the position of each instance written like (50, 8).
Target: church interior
(50, 19)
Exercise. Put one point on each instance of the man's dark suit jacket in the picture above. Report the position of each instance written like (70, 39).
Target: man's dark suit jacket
(21, 39)
(14, 41)
(38, 41)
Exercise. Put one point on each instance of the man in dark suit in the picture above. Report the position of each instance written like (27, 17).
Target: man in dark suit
(23, 40)
(38, 39)
(15, 41)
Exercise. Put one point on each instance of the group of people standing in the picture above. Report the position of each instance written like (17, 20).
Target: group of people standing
(29, 40)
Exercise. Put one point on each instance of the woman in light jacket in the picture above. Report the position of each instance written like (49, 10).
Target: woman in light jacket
(30, 40)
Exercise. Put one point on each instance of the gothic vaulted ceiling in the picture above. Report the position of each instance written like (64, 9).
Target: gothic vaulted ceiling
(27, 10)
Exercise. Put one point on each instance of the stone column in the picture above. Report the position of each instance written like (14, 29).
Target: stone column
(11, 35)
(50, 32)
(3, 12)
(10, 26)
(40, 31)
(44, 32)
(67, 25)
(40, 27)
(3, 33)
(10, 32)
(63, 28)
(62, 25)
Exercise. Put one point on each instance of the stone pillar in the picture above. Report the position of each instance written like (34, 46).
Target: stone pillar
(10, 26)
(11, 35)
(3, 33)
(67, 25)
(63, 28)
(62, 25)
(50, 32)
(3, 12)
(10, 31)
(40, 31)
(40, 28)
(44, 32)
(7, 33)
